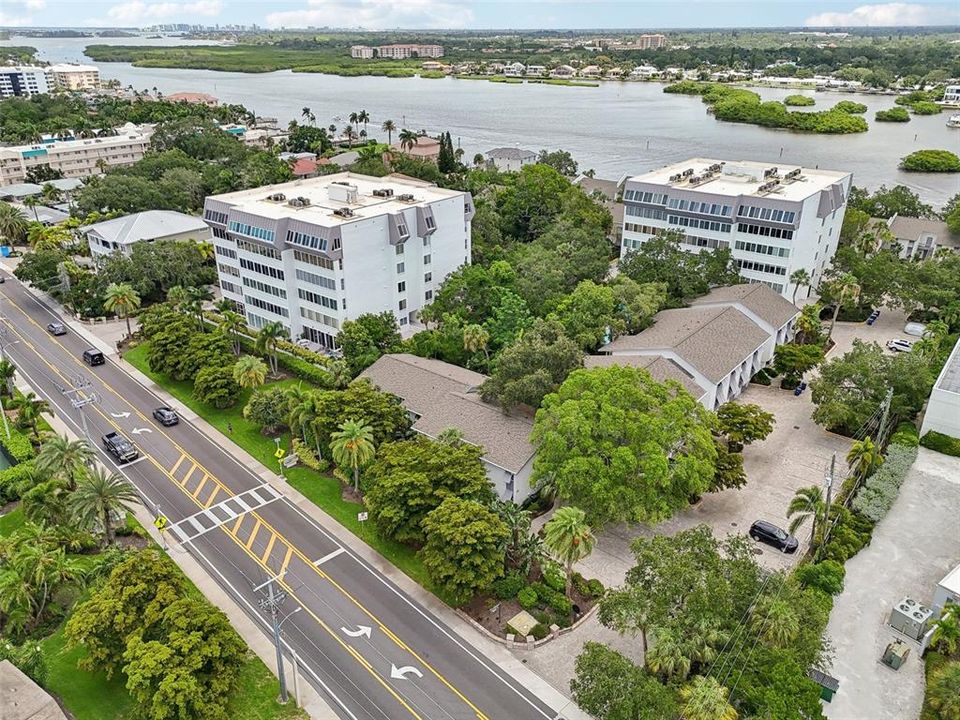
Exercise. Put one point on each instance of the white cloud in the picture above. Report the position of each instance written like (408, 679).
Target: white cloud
(885, 15)
(137, 11)
(35, 4)
(375, 14)
(20, 18)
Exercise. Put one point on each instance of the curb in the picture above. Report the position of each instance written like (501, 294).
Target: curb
(529, 644)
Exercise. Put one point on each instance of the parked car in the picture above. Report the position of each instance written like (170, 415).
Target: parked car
(765, 532)
(56, 328)
(915, 329)
(873, 317)
(899, 345)
(121, 448)
(166, 416)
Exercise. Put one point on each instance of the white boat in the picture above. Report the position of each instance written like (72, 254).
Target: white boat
(954, 121)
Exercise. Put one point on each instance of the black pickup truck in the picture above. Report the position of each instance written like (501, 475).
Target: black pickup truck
(121, 448)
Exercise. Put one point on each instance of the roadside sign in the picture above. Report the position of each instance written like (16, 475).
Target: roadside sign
(362, 517)
(160, 523)
(279, 453)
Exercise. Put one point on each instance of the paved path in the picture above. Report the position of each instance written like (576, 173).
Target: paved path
(244, 525)
(912, 549)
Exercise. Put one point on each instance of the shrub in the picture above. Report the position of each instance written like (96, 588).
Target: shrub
(511, 630)
(799, 101)
(897, 114)
(268, 408)
(931, 161)
(528, 598)
(826, 576)
(508, 587)
(556, 601)
(850, 107)
(307, 457)
(941, 443)
(876, 497)
(761, 377)
(925, 107)
(13, 480)
(18, 445)
(580, 584)
(905, 434)
(554, 578)
(215, 386)
(596, 588)
(539, 631)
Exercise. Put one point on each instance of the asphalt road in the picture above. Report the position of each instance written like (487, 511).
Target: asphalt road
(368, 648)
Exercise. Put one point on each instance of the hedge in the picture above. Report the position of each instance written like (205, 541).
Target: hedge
(12, 479)
(876, 497)
(906, 434)
(897, 114)
(941, 443)
(18, 446)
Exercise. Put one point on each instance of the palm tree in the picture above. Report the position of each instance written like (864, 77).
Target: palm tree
(122, 299)
(31, 201)
(352, 445)
(177, 297)
(206, 250)
(808, 504)
(667, 656)
(847, 288)
(350, 134)
(332, 129)
(354, 118)
(943, 691)
(304, 411)
(267, 339)
(30, 408)
(704, 698)
(776, 621)
(13, 223)
(864, 458)
(339, 373)
(568, 538)
(65, 458)
(51, 194)
(231, 324)
(363, 117)
(808, 324)
(476, 338)
(195, 298)
(798, 278)
(43, 238)
(7, 373)
(946, 630)
(408, 139)
(98, 497)
(478, 160)
(250, 372)
(305, 113)
(389, 127)
(937, 329)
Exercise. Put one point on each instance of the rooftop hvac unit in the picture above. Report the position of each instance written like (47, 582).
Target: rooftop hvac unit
(911, 618)
(277, 197)
(405, 197)
(795, 173)
(383, 192)
(344, 192)
(343, 212)
(676, 178)
(895, 654)
(716, 167)
(694, 179)
(299, 202)
(770, 172)
(687, 173)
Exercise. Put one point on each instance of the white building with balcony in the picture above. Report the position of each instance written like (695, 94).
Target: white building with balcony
(66, 76)
(313, 253)
(774, 219)
(23, 81)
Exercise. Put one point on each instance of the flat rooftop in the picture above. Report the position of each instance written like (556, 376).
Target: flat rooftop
(318, 191)
(949, 379)
(743, 177)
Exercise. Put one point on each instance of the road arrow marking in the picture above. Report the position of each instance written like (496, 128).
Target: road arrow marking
(137, 431)
(402, 672)
(359, 632)
(120, 415)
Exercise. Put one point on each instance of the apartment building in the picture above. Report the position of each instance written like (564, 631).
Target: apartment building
(75, 158)
(67, 76)
(23, 81)
(652, 41)
(361, 52)
(312, 253)
(774, 219)
(396, 52)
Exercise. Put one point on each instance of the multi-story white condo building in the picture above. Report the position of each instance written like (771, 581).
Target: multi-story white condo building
(774, 219)
(23, 81)
(73, 77)
(75, 158)
(313, 253)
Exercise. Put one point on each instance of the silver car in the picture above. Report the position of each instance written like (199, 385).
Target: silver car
(899, 345)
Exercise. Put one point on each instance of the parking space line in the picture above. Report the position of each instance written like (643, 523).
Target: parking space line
(253, 534)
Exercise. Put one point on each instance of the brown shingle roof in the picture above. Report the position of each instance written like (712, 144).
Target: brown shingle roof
(660, 368)
(759, 299)
(714, 340)
(443, 396)
(910, 228)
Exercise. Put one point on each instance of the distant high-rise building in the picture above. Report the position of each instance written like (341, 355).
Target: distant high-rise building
(73, 77)
(22, 81)
(652, 42)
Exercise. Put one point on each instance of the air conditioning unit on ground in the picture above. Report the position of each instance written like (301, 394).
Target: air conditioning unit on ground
(911, 618)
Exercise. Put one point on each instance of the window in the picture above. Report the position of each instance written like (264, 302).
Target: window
(765, 231)
(426, 242)
(264, 305)
(214, 216)
(225, 252)
(651, 198)
(427, 259)
(228, 270)
(760, 267)
(336, 244)
(310, 241)
(256, 249)
(762, 249)
(400, 268)
(403, 321)
(315, 279)
(262, 269)
(401, 287)
(402, 228)
(428, 221)
(312, 259)
(319, 317)
(650, 213)
(399, 248)
(428, 295)
(402, 305)
(765, 213)
(428, 277)
(264, 288)
(313, 297)
(219, 233)
(230, 287)
(703, 208)
(251, 231)
(684, 221)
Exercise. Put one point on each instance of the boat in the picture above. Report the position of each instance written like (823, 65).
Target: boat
(954, 121)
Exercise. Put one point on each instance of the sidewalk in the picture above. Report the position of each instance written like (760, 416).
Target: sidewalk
(496, 653)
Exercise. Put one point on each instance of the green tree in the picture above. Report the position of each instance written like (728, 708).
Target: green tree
(793, 360)
(122, 299)
(668, 657)
(389, 127)
(8, 371)
(476, 339)
(943, 691)
(536, 198)
(887, 202)
(464, 546)
(609, 438)
(62, 457)
(98, 497)
(729, 472)
(703, 698)
(588, 315)
(352, 446)
(214, 385)
(946, 630)
(569, 539)
(30, 409)
(776, 621)
(808, 325)
(559, 160)
(744, 424)
(267, 339)
(532, 366)
(808, 504)
(607, 685)
(360, 401)
(32, 573)
(368, 337)
(799, 278)
(13, 223)
(410, 478)
(864, 458)
(844, 288)
(509, 319)
(249, 371)
(232, 325)
(408, 139)
(269, 408)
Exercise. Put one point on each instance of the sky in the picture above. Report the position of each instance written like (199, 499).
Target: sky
(476, 14)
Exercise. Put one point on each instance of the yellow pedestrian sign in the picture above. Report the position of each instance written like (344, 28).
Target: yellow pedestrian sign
(279, 453)
(160, 523)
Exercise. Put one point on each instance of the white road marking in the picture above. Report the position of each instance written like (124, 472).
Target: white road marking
(359, 632)
(400, 673)
(328, 556)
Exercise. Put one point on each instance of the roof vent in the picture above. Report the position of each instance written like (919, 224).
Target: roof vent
(405, 197)
(299, 202)
(276, 197)
(383, 192)
(343, 212)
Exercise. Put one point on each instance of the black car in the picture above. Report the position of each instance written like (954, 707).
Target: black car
(56, 328)
(768, 533)
(166, 416)
(121, 448)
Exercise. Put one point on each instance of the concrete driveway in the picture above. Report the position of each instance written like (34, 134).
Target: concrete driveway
(912, 549)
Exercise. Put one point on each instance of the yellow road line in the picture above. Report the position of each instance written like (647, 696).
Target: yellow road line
(209, 502)
(176, 465)
(253, 534)
(203, 481)
(189, 473)
(236, 526)
(266, 553)
(286, 561)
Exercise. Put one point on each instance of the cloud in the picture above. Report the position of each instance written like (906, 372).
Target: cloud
(375, 14)
(19, 18)
(885, 15)
(137, 11)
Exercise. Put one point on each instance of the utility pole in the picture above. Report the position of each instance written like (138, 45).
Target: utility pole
(79, 398)
(3, 356)
(271, 603)
(885, 418)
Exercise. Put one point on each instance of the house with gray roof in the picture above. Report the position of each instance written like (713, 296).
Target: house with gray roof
(121, 234)
(510, 159)
(919, 238)
(439, 396)
(719, 342)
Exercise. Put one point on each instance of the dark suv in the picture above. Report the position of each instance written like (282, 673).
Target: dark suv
(765, 532)
(166, 416)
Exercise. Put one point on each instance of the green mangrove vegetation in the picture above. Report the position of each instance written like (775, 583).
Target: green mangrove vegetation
(799, 101)
(941, 161)
(897, 114)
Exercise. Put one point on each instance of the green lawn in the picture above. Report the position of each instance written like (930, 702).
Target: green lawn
(11, 521)
(322, 490)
